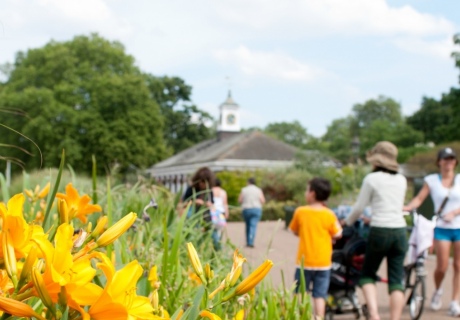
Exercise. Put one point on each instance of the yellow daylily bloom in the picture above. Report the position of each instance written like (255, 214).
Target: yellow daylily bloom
(153, 278)
(195, 260)
(115, 231)
(119, 299)
(6, 285)
(44, 192)
(251, 281)
(239, 315)
(37, 194)
(40, 287)
(28, 264)
(254, 278)
(62, 270)
(233, 276)
(9, 256)
(99, 226)
(195, 279)
(78, 207)
(210, 315)
(15, 225)
(208, 272)
(18, 308)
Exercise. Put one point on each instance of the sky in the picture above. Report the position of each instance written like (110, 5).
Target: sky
(284, 60)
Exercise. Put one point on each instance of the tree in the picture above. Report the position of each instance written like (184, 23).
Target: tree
(338, 138)
(433, 119)
(292, 133)
(373, 121)
(85, 96)
(185, 124)
(382, 108)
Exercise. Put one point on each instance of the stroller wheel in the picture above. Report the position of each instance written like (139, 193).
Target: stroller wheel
(329, 315)
(365, 312)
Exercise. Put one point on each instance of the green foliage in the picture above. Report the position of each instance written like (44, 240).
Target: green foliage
(234, 181)
(161, 242)
(88, 97)
(375, 120)
(85, 96)
(185, 124)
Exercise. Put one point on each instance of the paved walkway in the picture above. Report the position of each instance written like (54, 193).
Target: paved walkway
(279, 245)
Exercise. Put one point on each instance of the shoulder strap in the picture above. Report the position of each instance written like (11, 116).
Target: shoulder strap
(443, 204)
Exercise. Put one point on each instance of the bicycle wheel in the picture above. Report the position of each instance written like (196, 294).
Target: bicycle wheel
(417, 298)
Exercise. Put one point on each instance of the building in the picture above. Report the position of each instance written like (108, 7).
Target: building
(230, 150)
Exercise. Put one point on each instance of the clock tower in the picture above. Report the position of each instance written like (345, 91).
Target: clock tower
(229, 120)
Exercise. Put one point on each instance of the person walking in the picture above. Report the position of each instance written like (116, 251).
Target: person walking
(444, 188)
(199, 195)
(316, 226)
(220, 213)
(384, 190)
(251, 199)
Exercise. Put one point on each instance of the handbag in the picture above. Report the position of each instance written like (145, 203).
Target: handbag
(218, 219)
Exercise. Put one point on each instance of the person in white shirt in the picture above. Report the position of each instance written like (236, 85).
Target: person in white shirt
(251, 199)
(444, 188)
(384, 190)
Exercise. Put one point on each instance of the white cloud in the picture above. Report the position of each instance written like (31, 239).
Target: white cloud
(79, 10)
(439, 48)
(334, 16)
(268, 64)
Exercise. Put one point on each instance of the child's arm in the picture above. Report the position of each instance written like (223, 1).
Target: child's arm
(294, 225)
(336, 229)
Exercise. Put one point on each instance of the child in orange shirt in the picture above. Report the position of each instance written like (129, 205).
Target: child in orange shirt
(316, 226)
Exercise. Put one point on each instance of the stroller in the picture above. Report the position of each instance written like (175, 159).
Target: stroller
(347, 262)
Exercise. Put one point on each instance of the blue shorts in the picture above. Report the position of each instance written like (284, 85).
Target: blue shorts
(318, 278)
(443, 234)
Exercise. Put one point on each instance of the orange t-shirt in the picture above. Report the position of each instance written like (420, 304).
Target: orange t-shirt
(315, 227)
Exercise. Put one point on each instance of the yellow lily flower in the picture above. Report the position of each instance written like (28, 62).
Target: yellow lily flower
(119, 299)
(233, 276)
(254, 278)
(44, 192)
(37, 194)
(195, 279)
(78, 207)
(208, 272)
(115, 231)
(18, 308)
(41, 290)
(153, 278)
(251, 281)
(6, 285)
(62, 270)
(15, 225)
(195, 260)
(9, 257)
(239, 315)
(210, 315)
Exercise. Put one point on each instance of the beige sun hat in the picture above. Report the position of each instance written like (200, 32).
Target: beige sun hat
(384, 154)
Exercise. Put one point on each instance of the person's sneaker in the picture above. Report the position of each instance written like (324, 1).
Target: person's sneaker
(436, 302)
(454, 309)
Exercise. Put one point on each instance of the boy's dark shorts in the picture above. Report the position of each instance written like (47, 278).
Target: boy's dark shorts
(319, 279)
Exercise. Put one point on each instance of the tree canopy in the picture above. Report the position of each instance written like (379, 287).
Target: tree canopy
(88, 97)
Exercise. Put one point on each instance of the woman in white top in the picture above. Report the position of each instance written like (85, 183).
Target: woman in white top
(384, 190)
(251, 199)
(444, 187)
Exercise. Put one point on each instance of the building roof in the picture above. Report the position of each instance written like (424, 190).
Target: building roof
(247, 150)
